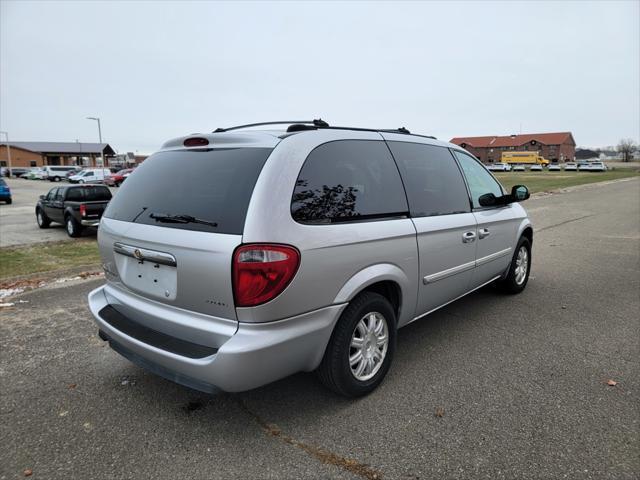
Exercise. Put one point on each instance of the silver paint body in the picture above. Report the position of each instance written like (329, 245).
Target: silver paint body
(429, 259)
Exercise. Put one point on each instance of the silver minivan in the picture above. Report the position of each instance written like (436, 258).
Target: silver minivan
(240, 257)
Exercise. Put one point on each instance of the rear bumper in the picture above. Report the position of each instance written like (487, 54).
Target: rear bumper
(246, 356)
(90, 223)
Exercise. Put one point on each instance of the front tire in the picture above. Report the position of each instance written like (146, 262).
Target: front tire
(42, 219)
(518, 275)
(361, 347)
(74, 229)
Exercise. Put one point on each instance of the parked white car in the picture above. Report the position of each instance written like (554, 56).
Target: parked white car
(500, 167)
(518, 168)
(91, 175)
(598, 167)
(584, 167)
(570, 167)
(34, 173)
(554, 167)
(536, 168)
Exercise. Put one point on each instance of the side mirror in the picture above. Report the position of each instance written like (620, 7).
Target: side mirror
(42, 197)
(519, 193)
(488, 200)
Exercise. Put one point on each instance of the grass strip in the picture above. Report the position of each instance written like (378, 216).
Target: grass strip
(47, 257)
(547, 181)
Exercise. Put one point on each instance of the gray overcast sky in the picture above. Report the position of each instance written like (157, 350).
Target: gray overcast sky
(156, 70)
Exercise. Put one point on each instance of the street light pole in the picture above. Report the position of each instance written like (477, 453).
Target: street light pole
(100, 138)
(6, 134)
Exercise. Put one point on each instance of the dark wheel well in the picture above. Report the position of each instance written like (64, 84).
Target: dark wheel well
(389, 290)
(528, 234)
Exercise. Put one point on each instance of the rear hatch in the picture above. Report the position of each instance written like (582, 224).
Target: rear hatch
(170, 232)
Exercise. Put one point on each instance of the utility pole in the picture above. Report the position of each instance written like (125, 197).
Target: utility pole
(100, 138)
(6, 134)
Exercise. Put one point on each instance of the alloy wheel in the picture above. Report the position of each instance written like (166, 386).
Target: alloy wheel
(369, 344)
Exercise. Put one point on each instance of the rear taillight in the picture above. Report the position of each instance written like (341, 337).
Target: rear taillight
(83, 210)
(261, 272)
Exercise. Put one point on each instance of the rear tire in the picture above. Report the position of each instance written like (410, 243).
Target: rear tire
(9, 201)
(518, 275)
(42, 219)
(353, 345)
(74, 229)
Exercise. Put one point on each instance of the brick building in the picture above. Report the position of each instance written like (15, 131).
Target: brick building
(39, 154)
(556, 147)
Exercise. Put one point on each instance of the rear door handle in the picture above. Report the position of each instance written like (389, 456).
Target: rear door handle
(468, 237)
(483, 233)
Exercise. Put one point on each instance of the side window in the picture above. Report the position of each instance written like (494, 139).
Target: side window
(348, 180)
(88, 174)
(60, 195)
(432, 178)
(480, 181)
(52, 194)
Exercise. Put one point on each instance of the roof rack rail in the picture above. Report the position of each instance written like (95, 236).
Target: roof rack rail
(301, 125)
(318, 122)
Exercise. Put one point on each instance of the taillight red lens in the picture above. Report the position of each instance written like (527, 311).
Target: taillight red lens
(83, 210)
(262, 271)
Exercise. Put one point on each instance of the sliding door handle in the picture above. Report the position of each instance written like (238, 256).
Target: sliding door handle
(468, 237)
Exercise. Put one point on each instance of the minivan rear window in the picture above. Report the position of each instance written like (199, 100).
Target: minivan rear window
(212, 185)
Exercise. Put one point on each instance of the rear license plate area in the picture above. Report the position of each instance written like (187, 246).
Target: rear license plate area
(148, 277)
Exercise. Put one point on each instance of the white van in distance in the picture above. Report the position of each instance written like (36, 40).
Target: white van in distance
(91, 175)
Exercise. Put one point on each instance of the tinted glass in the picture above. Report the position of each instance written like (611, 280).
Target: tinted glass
(59, 195)
(480, 181)
(348, 180)
(212, 184)
(52, 193)
(88, 194)
(2, 182)
(432, 178)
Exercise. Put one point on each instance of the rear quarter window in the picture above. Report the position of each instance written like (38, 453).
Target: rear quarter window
(348, 180)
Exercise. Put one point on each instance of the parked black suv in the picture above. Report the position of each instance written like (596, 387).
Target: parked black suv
(75, 206)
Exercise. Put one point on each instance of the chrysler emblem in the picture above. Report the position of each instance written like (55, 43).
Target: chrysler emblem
(137, 253)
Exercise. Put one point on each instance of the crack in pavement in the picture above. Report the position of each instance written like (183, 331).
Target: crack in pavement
(321, 454)
(563, 223)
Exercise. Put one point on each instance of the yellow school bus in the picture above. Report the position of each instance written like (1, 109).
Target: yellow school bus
(524, 157)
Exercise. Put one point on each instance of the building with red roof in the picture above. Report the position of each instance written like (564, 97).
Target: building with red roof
(555, 147)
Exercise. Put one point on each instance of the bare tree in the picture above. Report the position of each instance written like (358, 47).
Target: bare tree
(626, 147)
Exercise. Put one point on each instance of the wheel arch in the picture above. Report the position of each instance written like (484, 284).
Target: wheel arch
(385, 279)
(525, 230)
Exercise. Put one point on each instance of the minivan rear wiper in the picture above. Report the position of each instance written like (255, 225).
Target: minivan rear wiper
(162, 217)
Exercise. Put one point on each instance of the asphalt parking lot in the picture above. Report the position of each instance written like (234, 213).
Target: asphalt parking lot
(18, 220)
(489, 387)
